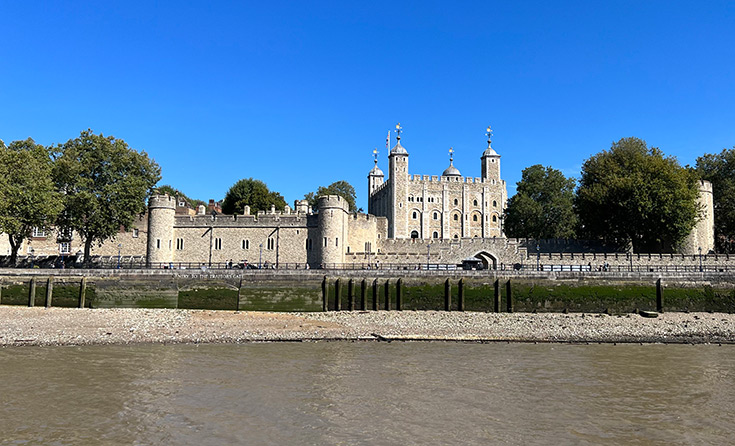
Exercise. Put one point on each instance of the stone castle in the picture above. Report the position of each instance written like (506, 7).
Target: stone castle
(412, 220)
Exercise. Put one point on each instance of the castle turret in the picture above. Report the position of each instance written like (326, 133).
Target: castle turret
(161, 212)
(703, 234)
(333, 228)
(490, 161)
(398, 165)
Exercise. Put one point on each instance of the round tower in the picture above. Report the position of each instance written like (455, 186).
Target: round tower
(333, 229)
(703, 233)
(161, 212)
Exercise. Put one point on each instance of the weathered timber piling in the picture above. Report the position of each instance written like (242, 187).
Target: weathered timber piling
(82, 291)
(325, 294)
(509, 296)
(659, 297)
(447, 295)
(399, 295)
(363, 295)
(460, 295)
(337, 295)
(496, 296)
(351, 295)
(1, 292)
(375, 295)
(32, 292)
(239, 293)
(49, 290)
(387, 295)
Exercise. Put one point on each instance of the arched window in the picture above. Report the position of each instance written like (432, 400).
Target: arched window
(495, 218)
(456, 236)
(495, 204)
(436, 216)
(474, 217)
(415, 215)
(435, 234)
(414, 234)
(456, 217)
(474, 203)
(456, 202)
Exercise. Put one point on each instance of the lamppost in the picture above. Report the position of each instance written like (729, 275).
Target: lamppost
(428, 255)
(538, 257)
(700, 259)
(119, 252)
(260, 259)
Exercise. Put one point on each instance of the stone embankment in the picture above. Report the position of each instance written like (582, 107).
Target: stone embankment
(66, 326)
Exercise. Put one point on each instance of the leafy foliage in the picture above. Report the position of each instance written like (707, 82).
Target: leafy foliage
(633, 194)
(543, 206)
(253, 193)
(341, 188)
(28, 197)
(105, 184)
(719, 169)
(173, 192)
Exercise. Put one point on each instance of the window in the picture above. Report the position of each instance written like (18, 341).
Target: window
(64, 248)
(246, 244)
(456, 202)
(158, 243)
(456, 217)
(348, 250)
(368, 246)
(39, 232)
(65, 234)
(495, 218)
(169, 244)
(474, 203)
(325, 241)
(474, 217)
(456, 236)
(218, 243)
(415, 215)
(179, 244)
(495, 204)
(414, 234)
(436, 216)
(136, 233)
(336, 241)
(435, 234)
(270, 244)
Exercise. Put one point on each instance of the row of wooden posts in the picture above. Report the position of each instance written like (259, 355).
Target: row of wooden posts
(50, 292)
(387, 305)
(351, 303)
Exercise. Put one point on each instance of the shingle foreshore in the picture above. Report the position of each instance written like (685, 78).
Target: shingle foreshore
(68, 326)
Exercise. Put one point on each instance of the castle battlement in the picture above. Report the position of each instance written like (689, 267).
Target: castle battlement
(245, 221)
(162, 201)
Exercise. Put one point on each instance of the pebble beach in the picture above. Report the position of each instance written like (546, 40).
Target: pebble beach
(71, 326)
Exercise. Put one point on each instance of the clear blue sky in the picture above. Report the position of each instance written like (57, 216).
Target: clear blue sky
(297, 94)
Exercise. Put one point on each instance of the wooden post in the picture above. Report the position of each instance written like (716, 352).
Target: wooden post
(363, 295)
(337, 295)
(509, 296)
(460, 295)
(82, 292)
(659, 297)
(325, 295)
(447, 296)
(375, 295)
(387, 295)
(351, 295)
(239, 293)
(497, 296)
(49, 290)
(32, 292)
(1, 292)
(399, 295)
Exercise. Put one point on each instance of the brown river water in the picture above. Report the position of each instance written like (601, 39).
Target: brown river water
(352, 393)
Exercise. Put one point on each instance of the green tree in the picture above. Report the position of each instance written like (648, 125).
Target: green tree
(634, 194)
(173, 192)
(28, 198)
(341, 188)
(719, 169)
(543, 206)
(253, 193)
(105, 184)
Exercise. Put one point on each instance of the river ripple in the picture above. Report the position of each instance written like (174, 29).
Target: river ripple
(342, 393)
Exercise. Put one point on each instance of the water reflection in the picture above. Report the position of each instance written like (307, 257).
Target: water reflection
(367, 393)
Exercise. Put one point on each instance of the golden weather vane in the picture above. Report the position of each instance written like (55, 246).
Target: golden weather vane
(398, 131)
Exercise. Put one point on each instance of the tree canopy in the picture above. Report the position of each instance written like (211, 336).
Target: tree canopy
(719, 169)
(28, 198)
(104, 183)
(635, 194)
(173, 192)
(341, 188)
(253, 193)
(543, 206)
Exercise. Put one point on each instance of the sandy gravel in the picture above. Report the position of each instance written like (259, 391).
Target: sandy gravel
(69, 326)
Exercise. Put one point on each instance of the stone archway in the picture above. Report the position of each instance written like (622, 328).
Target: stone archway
(489, 261)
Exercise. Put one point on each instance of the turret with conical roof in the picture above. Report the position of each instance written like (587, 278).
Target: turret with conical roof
(490, 161)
